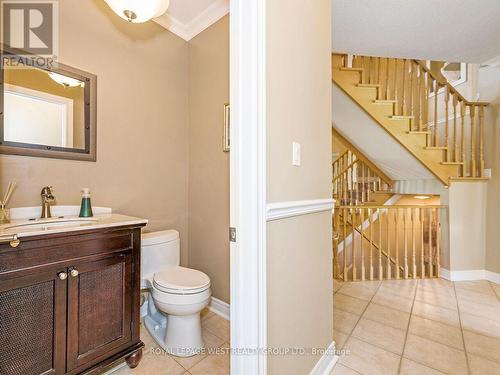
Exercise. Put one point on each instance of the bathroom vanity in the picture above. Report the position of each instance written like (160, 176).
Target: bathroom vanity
(70, 295)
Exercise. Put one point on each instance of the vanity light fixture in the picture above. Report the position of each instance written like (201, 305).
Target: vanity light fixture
(66, 81)
(138, 11)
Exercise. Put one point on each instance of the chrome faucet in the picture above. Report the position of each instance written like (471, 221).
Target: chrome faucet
(47, 198)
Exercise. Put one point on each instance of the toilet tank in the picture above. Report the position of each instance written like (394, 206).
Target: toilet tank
(159, 250)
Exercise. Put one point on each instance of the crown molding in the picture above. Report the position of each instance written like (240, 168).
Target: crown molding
(188, 31)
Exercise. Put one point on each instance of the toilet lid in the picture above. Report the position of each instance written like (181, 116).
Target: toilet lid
(181, 279)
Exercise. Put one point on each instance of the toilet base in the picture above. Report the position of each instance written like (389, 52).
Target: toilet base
(180, 336)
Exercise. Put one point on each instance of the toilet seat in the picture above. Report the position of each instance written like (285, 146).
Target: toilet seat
(181, 280)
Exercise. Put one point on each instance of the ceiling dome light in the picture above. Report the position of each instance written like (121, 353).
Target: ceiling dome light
(138, 11)
(66, 81)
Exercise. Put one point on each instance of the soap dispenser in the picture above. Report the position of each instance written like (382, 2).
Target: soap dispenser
(86, 207)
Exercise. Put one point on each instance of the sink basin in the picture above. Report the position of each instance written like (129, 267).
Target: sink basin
(51, 223)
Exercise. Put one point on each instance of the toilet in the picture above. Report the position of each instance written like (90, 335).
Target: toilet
(176, 295)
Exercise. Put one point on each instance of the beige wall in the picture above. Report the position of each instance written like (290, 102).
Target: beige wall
(208, 164)
(300, 296)
(142, 159)
(489, 87)
(467, 225)
(492, 156)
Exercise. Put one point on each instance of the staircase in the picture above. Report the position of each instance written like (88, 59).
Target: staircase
(428, 117)
(356, 180)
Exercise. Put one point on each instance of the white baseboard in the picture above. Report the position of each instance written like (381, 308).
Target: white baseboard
(326, 362)
(220, 308)
(470, 275)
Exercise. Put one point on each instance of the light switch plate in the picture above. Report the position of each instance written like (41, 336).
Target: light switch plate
(487, 172)
(296, 157)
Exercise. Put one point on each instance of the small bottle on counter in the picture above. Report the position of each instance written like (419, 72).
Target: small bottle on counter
(86, 207)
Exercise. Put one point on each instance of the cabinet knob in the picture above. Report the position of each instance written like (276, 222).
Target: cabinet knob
(62, 275)
(74, 272)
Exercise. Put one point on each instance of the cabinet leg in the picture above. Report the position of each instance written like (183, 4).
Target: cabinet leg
(134, 359)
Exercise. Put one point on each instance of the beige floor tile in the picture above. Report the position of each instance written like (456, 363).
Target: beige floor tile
(436, 313)
(381, 335)
(496, 288)
(340, 339)
(149, 342)
(437, 288)
(368, 359)
(344, 321)
(409, 367)
(218, 326)
(337, 285)
(213, 364)
(394, 301)
(480, 325)
(447, 301)
(349, 304)
(391, 317)
(435, 355)
(482, 366)
(486, 311)
(340, 369)
(362, 290)
(436, 331)
(157, 364)
(211, 342)
(484, 346)
(486, 299)
(206, 313)
(482, 286)
(436, 282)
(402, 288)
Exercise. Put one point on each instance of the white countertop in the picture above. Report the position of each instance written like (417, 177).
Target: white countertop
(71, 223)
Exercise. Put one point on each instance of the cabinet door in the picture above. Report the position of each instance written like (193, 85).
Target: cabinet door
(33, 324)
(99, 310)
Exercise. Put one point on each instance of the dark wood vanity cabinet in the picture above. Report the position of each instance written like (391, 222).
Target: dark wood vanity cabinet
(69, 303)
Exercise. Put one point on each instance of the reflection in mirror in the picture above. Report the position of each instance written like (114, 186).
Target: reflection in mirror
(44, 108)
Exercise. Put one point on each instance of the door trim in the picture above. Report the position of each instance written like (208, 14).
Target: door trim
(248, 185)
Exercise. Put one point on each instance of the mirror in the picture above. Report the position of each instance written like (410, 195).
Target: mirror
(48, 112)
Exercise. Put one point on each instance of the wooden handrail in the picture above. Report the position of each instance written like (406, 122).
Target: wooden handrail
(450, 87)
(361, 156)
(365, 206)
(343, 171)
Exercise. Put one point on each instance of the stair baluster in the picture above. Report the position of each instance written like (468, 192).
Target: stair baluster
(472, 110)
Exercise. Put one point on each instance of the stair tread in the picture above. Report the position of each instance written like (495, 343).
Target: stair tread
(375, 85)
(391, 102)
(436, 148)
(469, 178)
(347, 69)
(400, 117)
(418, 132)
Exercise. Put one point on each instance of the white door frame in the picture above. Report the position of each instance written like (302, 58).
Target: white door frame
(248, 186)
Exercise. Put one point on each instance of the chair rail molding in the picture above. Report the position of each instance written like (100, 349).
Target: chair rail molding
(282, 210)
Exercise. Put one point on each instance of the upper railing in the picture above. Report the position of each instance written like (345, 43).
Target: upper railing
(452, 123)
(386, 242)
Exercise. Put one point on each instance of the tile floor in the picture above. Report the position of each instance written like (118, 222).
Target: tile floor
(417, 327)
(215, 362)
